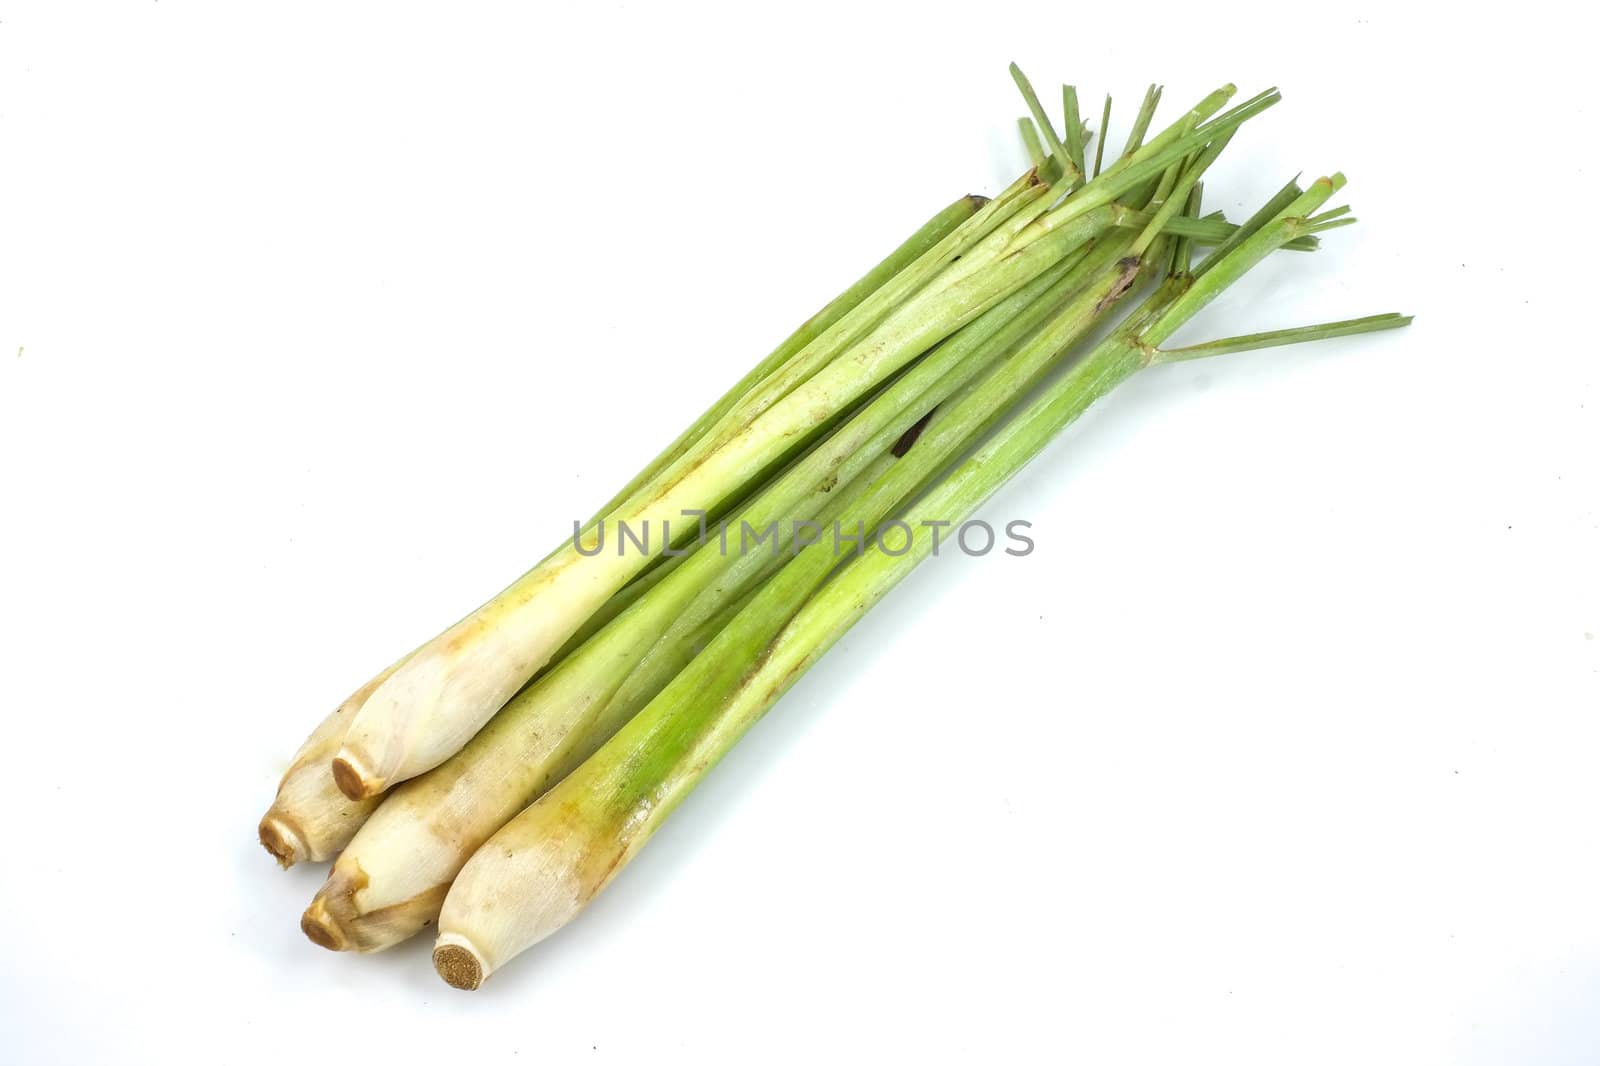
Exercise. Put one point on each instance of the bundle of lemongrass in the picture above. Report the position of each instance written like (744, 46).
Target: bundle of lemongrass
(500, 775)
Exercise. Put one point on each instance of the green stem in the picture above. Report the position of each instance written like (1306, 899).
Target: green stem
(1030, 141)
(930, 234)
(668, 751)
(647, 752)
(1183, 247)
(1226, 269)
(1141, 122)
(1058, 152)
(1147, 163)
(1100, 138)
(1201, 231)
(850, 328)
(1249, 342)
(1174, 198)
(1074, 123)
(547, 864)
(1281, 199)
(711, 575)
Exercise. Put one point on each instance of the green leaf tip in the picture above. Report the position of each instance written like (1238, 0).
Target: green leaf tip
(1349, 327)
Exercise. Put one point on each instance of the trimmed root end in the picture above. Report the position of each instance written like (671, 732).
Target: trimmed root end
(459, 965)
(353, 779)
(319, 927)
(335, 920)
(282, 839)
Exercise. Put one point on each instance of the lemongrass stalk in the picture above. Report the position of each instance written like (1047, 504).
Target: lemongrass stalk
(310, 820)
(1129, 174)
(1279, 200)
(942, 376)
(1276, 338)
(630, 594)
(390, 880)
(950, 431)
(1202, 231)
(1074, 131)
(913, 248)
(432, 706)
(1189, 133)
(1141, 121)
(696, 625)
(1163, 185)
(1328, 216)
(1124, 261)
(1100, 138)
(1287, 224)
(1183, 247)
(1023, 195)
(970, 354)
(1030, 141)
(545, 866)
(1172, 194)
(684, 541)
(306, 799)
(1060, 163)
(685, 536)
(389, 883)
(429, 708)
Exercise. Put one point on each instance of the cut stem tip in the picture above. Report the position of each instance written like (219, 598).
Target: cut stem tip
(283, 840)
(353, 779)
(319, 927)
(458, 963)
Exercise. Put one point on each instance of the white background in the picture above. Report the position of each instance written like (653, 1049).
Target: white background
(320, 321)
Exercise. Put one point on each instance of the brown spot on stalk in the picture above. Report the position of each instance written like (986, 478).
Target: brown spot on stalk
(909, 437)
(1128, 268)
(977, 200)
